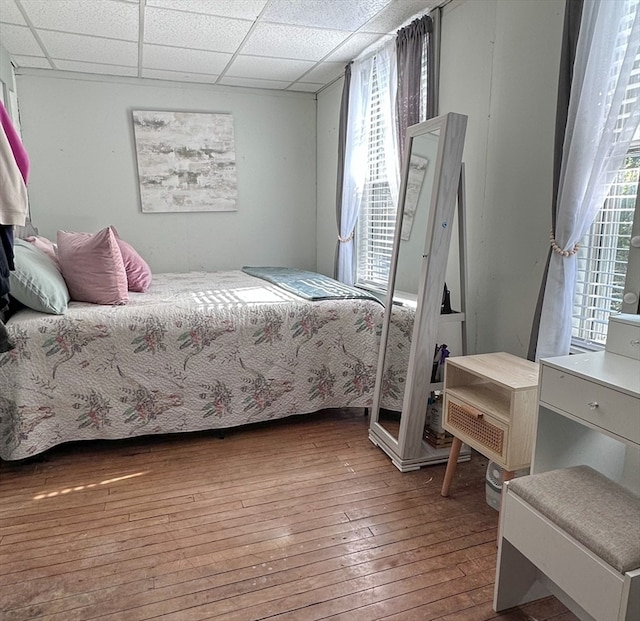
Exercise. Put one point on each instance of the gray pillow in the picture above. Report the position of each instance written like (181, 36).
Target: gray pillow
(36, 282)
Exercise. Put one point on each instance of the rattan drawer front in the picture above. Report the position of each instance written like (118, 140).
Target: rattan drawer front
(476, 428)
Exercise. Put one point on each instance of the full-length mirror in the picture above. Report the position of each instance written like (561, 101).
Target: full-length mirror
(426, 209)
(413, 223)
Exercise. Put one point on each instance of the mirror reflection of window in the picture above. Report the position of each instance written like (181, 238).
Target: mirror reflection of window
(424, 148)
(417, 169)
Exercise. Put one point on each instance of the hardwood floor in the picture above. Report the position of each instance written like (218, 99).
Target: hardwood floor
(299, 519)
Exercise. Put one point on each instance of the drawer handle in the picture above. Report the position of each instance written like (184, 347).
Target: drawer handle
(635, 342)
(593, 405)
(466, 410)
(475, 413)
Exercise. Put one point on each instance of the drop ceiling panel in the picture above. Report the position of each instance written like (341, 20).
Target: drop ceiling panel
(324, 73)
(254, 83)
(293, 41)
(66, 46)
(178, 76)
(179, 59)
(19, 40)
(268, 68)
(305, 87)
(74, 65)
(396, 14)
(352, 47)
(189, 30)
(319, 13)
(32, 61)
(241, 9)
(10, 13)
(102, 18)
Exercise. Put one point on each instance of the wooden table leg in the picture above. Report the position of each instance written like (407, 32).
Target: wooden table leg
(454, 453)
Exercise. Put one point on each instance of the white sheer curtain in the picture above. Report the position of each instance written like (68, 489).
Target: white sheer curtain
(387, 66)
(357, 143)
(600, 126)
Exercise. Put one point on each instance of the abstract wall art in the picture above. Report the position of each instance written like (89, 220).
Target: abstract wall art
(186, 161)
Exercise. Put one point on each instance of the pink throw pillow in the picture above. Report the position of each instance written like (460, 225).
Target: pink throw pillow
(138, 272)
(47, 246)
(92, 267)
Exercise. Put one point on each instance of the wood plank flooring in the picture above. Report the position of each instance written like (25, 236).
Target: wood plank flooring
(299, 519)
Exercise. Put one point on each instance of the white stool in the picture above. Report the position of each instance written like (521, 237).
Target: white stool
(574, 534)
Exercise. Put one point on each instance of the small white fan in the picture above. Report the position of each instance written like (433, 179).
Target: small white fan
(494, 475)
(493, 485)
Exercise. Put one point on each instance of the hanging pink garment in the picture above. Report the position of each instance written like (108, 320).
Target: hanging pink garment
(19, 152)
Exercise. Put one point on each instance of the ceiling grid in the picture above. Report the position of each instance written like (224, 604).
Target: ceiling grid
(296, 45)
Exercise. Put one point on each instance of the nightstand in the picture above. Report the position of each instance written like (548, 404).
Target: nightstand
(490, 404)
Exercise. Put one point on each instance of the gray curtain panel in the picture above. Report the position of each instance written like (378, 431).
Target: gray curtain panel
(572, 17)
(342, 141)
(409, 46)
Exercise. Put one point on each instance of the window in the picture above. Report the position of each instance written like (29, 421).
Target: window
(376, 221)
(603, 254)
(377, 217)
(603, 258)
(424, 80)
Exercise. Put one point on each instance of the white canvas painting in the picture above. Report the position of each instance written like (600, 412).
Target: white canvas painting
(417, 169)
(186, 161)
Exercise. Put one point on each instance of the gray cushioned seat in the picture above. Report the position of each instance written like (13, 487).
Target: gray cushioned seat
(600, 514)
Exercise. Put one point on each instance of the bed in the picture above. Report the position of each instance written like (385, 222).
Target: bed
(197, 351)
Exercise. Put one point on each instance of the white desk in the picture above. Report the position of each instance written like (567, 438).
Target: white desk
(589, 413)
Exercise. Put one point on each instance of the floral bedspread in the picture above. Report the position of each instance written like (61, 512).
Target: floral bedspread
(197, 351)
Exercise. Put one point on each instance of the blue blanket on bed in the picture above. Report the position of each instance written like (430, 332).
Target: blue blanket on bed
(308, 285)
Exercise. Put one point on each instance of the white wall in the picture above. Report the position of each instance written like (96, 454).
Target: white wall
(499, 66)
(501, 61)
(79, 136)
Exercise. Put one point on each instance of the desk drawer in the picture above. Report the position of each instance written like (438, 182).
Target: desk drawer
(615, 411)
(475, 428)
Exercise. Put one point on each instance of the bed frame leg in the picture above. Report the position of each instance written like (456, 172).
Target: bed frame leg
(221, 433)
